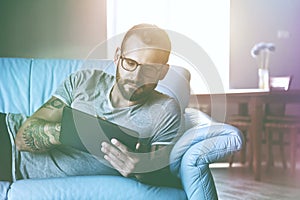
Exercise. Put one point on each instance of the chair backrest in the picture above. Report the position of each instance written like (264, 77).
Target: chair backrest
(278, 83)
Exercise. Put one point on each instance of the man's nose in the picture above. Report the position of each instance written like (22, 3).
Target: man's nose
(138, 75)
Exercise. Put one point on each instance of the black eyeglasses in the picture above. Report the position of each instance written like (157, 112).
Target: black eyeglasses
(148, 70)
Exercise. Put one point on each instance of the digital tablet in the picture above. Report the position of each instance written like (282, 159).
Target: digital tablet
(86, 132)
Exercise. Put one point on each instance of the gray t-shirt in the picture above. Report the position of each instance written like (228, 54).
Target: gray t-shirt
(88, 90)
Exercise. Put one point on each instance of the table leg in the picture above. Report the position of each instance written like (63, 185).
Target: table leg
(256, 111)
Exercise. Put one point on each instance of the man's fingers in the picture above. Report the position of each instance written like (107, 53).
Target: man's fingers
(118, 156)
(113, 152)
(124, 150)
(125, 168)
(119, 145)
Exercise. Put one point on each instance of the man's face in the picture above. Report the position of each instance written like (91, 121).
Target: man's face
(139, 83)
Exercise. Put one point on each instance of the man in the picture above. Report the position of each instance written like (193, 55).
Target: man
(128, 99)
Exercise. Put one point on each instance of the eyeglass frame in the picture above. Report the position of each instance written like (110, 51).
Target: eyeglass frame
(157, 71)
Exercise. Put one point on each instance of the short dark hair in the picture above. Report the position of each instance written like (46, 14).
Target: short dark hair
(150, 35)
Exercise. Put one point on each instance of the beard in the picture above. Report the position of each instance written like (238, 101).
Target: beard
(134, 91)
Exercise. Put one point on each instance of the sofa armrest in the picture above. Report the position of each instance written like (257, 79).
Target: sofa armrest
(196, 149)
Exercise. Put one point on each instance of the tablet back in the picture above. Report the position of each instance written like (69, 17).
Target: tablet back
(86, 132)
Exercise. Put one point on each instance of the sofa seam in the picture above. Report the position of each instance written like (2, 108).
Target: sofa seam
(214, 153)
(202, 182)
(231, 150)
(30, 86)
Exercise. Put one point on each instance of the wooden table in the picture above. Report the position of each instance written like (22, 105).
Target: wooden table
(255, 98)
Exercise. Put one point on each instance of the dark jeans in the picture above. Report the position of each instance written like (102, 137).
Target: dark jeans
(5, 151)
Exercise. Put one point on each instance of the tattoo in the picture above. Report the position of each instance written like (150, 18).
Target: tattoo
(40, 135)
(56, 103)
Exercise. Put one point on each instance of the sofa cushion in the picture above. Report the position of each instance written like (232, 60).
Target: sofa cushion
(177, 85)
(14, 87)
(4, 186)
(90, 187)
(46, 75)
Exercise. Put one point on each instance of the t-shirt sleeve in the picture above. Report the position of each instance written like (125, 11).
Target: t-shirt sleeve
(168, 123)
(65, 90)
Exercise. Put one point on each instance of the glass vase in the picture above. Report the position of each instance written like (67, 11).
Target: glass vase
(263, 79)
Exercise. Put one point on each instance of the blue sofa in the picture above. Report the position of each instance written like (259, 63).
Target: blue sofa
(25, 84)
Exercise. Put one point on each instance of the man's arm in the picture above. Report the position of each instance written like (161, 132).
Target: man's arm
(41, 131)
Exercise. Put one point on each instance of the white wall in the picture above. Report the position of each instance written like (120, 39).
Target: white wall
(51, 28)
(254, 21)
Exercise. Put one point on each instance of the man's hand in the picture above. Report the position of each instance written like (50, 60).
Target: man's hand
(119, 157)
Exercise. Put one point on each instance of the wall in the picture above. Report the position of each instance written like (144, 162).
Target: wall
(51, 28)
(254, 21)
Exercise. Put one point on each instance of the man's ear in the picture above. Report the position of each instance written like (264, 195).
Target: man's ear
(117, 55)
(164, 72)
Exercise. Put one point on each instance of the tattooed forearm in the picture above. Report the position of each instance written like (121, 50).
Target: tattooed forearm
(40, 135)
(55, 103)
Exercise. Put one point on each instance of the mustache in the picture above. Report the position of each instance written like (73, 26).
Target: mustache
(136, 83)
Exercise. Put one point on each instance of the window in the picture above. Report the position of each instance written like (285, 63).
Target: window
(205, 22)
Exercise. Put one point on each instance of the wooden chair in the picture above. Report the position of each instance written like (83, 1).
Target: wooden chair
(243, 122)
(277, 122)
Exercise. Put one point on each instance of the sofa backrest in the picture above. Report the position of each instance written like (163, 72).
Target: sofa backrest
(14, 85)
(25, 84)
